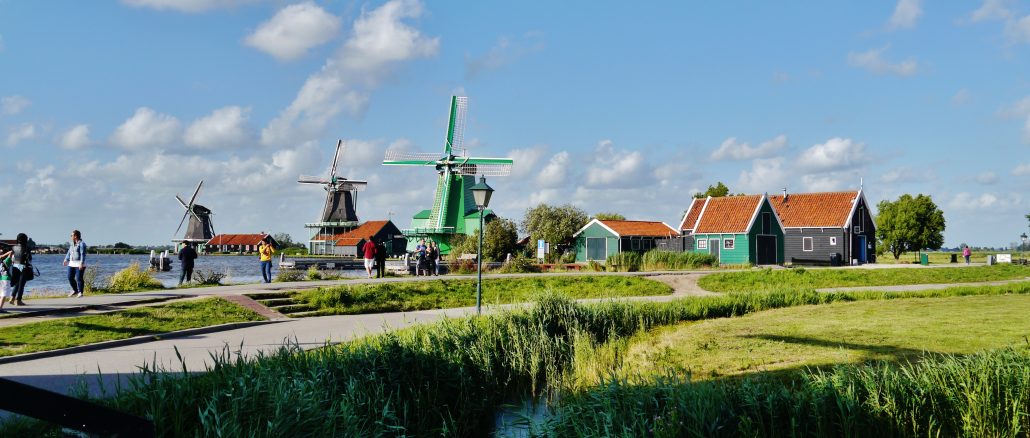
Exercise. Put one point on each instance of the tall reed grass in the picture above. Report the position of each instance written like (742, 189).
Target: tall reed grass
(658, 260)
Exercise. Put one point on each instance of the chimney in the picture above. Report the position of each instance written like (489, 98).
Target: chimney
(784, 194)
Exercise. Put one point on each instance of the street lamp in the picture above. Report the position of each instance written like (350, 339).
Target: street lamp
(1022, 248)
(481, 193)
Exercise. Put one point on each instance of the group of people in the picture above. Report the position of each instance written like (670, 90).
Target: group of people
(188, 254)
(15, 270)
(427, 258)
(374, 255)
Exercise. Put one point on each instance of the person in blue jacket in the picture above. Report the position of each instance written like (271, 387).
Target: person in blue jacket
(75, 260)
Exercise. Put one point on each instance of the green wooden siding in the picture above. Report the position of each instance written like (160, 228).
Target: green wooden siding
(737, 256)
(745, 249)
(595, 231)
(775, 230)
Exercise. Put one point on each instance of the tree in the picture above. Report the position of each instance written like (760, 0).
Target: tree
(499, 239)
(284, 239)
(909, 224)
(555, 225)
(609, 217)
(719, 190)
(122, 245)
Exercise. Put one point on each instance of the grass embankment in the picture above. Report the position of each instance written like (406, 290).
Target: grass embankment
(445, 293)
(70, 332)
(800, 278)
(943, 257)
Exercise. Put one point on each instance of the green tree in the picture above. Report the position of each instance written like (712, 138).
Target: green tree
(499, 239)
(716, 191)
(284, 239)
(122, 245)
(909, 224)
(604, 216)
(556, 225)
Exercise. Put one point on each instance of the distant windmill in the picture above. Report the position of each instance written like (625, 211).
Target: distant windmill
(339, 213)
(454, 210)
(200, 229)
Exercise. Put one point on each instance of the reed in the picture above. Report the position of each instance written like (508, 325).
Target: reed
(657, 260)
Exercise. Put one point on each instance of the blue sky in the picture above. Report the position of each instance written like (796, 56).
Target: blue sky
(107, 109)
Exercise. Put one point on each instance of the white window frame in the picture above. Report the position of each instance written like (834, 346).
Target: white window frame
(728, 244)
(702, 244)
(809, 242)
(857, 229)
(833, 240)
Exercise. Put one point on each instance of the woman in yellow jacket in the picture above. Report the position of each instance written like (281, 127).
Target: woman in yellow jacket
(265, 251)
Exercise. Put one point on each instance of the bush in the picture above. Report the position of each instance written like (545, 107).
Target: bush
(658, 260)
(519, 264)
(210, 277)
(314, 273)
(623, 262)
(594, 266)
(463, 266)
(286, 275)
(91, 280)
(133, 278)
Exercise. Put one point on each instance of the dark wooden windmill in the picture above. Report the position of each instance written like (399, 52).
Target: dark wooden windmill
(200, 228)
(339, 214)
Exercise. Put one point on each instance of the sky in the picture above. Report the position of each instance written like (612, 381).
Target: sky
(110, 108)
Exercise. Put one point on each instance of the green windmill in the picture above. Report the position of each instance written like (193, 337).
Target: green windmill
(454, 209)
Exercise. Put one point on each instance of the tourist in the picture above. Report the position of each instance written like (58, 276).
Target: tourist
(75, 260)
(369, 252)
(186, 257)
(433, 254)
(265, 251)
(966, 253)
(21, 271)
(380, 259)
(5, 277)
(420, 258)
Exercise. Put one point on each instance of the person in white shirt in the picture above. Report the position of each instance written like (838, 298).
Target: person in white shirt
(75, 260)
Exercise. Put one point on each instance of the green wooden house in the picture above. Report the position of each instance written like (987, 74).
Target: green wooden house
(738, 230)
(599, 239)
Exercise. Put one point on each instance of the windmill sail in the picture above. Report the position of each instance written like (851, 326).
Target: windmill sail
(200, 228)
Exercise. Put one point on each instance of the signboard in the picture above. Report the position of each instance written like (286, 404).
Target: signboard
(1004, 258)
(541, 249)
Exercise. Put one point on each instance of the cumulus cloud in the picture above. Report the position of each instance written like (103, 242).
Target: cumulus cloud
(835, 154)
(987, 178)
(617, 168)
(191, 6)
(965, 201)
(379, 41)
(506, 51)
(905, 14)
(11, 105)
(293, 30)
(526, 160)
(20, 133)
(873, 61)
(961, 97)
(555, 172)
(76, 137)
(1020, 110)
(146, 128)
(731, 149)
(992, 10)
(1018, 31)
(1021, 170)
(224, 128)
(766, 174)
(906, 174)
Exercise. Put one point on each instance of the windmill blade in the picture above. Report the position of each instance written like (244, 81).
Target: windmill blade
(483, 169)
(181, 202)
(456, 129)
(352, 186)
(176, 233)
(332, 171)
(195, 193)
(308, 179)
(399, 158)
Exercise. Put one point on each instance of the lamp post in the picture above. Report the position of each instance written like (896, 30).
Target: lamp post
(481, 192)
(1022, 248)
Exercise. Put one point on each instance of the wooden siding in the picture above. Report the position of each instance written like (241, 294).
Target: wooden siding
(598, 231)
(740, 253)
(821, 248)
(863, 217)
(775, 230)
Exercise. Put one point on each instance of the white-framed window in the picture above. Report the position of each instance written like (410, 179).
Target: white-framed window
(833, 240)
(727, 244)
(858, 229)
(806, 244)
(702, 244)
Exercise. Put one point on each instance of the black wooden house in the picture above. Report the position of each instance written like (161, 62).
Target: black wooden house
(824, 227)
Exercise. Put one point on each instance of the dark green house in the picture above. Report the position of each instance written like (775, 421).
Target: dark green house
(737, 230)
(599, 239)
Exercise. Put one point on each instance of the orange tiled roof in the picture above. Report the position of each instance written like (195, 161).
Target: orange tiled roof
(641, 228)
(830, 209)
(366, 231)
(236, 239)
(690, 218)
(728, 214)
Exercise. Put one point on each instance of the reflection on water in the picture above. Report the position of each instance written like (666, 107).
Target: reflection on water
(522, 418)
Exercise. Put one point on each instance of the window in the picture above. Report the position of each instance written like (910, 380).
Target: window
(833, 240)
(806, 244)
(702, 244)
(766, 223)
(635, 244)
(597, 248)
(727, 244)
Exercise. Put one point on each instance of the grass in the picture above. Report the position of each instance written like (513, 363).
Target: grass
(943, 258)
(70, 332)
(447, 293)
(768, 279)
(657, 260)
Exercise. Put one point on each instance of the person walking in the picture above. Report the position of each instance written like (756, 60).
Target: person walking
(75, 260)
(265, 252)
(369, 252)
(5, 278)
(186, 257)
(21, 268)
(380, 259)
(966, 253)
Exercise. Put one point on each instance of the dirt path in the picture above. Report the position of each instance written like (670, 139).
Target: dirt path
(683, 285)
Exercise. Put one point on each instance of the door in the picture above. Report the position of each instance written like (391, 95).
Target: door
(597, 248)
(766, 250)
(713, 248)
(861, 249)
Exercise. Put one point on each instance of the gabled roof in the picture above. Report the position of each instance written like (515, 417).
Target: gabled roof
(634, 228)
(693, 212)
(237, 239)
(728, 214)
(811, 210)
(366, 231)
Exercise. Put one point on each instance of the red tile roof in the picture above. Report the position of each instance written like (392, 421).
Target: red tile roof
(690, 218)
(641, 228)
(830, 209)
(728, 214)
(237, 239)
(366, 231)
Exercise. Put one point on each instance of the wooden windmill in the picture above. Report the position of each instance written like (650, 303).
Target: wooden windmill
(454, 210)
(339, 213)
(200, 229)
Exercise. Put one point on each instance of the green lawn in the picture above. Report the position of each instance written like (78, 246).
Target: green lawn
(448, 293)
(939, 257)
(800, 278)
(814, 336)
(70, 332)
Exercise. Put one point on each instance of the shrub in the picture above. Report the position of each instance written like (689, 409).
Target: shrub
(519, 264)
(313, 273)
(133, 278)
(286, 275)
(623, 262)
(210, 277)
(593, 265)
(91, 280)
(463, 266)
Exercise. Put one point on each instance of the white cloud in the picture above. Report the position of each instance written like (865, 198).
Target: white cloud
(526, 160)
(835, 154)
(293, 30)
(146, 128)
(364, 153)
(617, 168)
(731, 149)
(906, 174)
(987, 178)
(379, 41)
(961, 97)
(555, 172)
(827, 182)
(992, 10)
(77, 137)
(187, 5)
(766, 174)
(872, 60)
(905, 14)
(985, 201)
(504, 52)
(20, 133)
(11, 105)
(1021, 170)
(1018, 31)
(224, 128)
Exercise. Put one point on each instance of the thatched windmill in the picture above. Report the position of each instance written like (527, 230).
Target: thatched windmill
(339, 213)
(200, 229)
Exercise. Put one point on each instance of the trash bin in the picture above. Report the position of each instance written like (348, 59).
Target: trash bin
(954, 258)
(835, 259)
(924, 259)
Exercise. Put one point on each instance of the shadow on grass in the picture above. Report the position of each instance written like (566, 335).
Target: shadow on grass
(872, 352)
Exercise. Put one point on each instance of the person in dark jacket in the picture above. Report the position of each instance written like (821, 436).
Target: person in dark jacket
(21, 271)
(380, 259)
(186, 257)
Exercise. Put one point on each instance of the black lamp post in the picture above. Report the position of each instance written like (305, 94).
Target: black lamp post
(481, 192)
(1022, 248)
